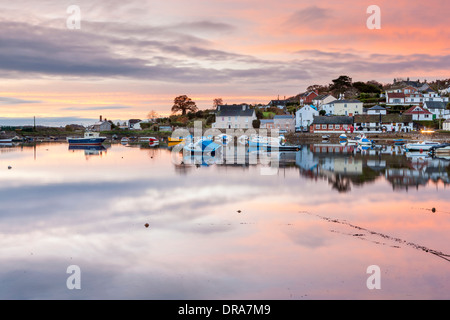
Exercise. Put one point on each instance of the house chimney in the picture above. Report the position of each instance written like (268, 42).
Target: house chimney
(100, 118)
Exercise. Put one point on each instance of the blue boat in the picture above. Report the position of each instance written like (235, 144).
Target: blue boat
(89, 139)
(203, 146)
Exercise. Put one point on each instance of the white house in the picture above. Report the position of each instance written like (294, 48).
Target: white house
(322, 100)
(419, 114)
(446, 125)
(304, 117)
(438, 109)
(377, 110)
(234, 117)
(395, 98)
(328, 108)
(347, 107)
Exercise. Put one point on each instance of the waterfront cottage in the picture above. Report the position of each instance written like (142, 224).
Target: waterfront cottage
(393, 98)
(347, 107)
(323, 99)
(384, 123)
(419, 114)
(446, 125)
(305, 116)
(284, 122)
(280, 104)
(101, 125)
(437, 108)
(331, 124)
(267, 124)
(307, 97)
(376, 110)
(234, 117)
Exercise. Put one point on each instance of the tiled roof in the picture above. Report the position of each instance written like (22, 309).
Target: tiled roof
(287, 116)
(333, 120)
(345, 101)
(234, 111)
(377, 108)
(421, 111)
(396, 95)
(435, 105)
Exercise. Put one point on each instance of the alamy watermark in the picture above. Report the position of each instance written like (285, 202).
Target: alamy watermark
(74, 280)
(73, 22)
(374, 20)
(374, 281)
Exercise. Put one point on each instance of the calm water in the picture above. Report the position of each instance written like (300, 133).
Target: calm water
(308, 230)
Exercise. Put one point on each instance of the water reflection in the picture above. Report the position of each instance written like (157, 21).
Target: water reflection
(90, 151)
(221, 230)
(342, 165)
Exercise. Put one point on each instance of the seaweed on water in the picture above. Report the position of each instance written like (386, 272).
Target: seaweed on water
(437, 253)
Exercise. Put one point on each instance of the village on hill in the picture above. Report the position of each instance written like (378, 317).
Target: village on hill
(343, 106)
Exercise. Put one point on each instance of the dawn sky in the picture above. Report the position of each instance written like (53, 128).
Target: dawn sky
(130, 57)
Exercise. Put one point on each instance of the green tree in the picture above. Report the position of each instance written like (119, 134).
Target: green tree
(183, 104)
(341, 84)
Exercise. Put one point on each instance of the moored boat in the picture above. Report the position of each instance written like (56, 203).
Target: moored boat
(442, 148)
(89, 139)
(151, 140)
(421, 145)
(202, 146)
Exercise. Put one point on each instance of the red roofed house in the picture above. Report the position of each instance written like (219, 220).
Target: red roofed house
(307, 97)
(393, 98)
(419, 114)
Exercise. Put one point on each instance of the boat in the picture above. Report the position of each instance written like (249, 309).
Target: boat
(441, 148)
(124, 140)
(175, 139)
(151, 140)
(365, 142)
(263, 141)
(89, 139)
(343, 137)
(421, 146)
(399, 142)
(202, 146)
(6, 140)
(326, 137)
(243, 140)
(223, 138)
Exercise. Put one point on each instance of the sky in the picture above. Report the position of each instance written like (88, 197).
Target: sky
(130, 57)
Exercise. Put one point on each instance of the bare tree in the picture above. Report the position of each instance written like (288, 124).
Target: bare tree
(217, 102)
(152, 115)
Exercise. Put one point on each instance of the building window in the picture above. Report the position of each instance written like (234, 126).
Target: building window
(336, 126)
(324, 126)
(317, 126)
(330, 126)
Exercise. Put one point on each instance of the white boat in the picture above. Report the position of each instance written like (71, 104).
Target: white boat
(151, 140)
(343, 137)
(442, 148)
(6, 140)
(223, 138)
(421, 146)
(243, 140)
(263, 141)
